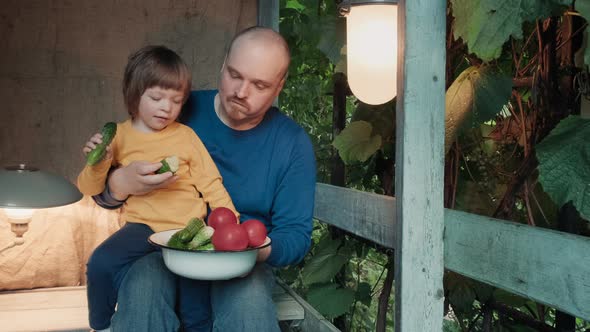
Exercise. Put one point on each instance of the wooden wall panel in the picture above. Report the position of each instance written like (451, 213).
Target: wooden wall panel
(62, 61)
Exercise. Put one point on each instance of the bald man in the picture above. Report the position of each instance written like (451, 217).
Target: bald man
(268, 167)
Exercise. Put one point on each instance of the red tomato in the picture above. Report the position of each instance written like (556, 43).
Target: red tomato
(256, 232)
(230, 237)
(221, 216)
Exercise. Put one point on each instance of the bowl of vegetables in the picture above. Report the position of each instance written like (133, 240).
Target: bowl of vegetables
(213, 251)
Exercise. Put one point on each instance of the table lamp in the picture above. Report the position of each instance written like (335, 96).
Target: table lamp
(23, 189)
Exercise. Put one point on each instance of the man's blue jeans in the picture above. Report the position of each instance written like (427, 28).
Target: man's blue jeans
(147, 299)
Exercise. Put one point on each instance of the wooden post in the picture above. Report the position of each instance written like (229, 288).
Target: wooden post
(419, 166)
(268, 14)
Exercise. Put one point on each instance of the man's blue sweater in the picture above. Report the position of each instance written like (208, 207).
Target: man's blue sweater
(269, 172)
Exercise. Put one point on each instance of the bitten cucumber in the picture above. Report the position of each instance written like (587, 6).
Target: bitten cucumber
(202, 238)
(169, 164)
(109, 130)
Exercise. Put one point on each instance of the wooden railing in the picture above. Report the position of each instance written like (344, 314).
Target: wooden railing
(547, 266)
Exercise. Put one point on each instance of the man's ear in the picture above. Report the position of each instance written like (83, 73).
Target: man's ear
(281, 85)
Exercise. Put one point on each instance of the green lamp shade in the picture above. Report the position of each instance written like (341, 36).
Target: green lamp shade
(24, 186)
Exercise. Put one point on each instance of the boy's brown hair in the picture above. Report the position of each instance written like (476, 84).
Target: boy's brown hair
(151, 66)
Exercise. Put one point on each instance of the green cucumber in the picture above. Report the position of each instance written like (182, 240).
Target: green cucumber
(206, 246)
(186, 234)
(202, 238)
(169, 164)
(175, 242)
(109, 130)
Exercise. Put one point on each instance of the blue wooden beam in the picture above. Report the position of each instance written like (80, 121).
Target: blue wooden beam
(420, 166)
(547, 266)
(370, 216)
(544, 265)
(268, 14)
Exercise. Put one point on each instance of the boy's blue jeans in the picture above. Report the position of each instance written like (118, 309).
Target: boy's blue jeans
(109, 264)
(148, 293)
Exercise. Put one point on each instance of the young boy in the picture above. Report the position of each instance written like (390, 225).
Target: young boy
(156, 84)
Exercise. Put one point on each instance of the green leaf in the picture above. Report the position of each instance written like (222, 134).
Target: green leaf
(460, 290)
(564, 164)
(485, 25)
(290, 273)
(461, 297)
(331, 301)
(325, 263)
(488, 146)
(327, 244)
(361, 251)
(543, 208)
(508, 298)
(521, 328)
(363, 293)
(484, 292)
(492, 92)
(332, 38)
(356, 142)
(381, 117)
(472, 198)
(476, 96)
(294, 4)
(450, 326)
(583, 7)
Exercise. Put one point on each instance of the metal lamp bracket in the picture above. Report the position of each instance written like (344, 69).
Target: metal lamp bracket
(344, 5)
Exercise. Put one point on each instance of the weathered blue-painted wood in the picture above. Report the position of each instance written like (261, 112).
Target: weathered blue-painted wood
(420, 166)
(268, 14)
(370, 216)
(545, 265)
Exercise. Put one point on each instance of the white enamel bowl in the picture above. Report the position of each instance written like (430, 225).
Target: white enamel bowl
(205, 264)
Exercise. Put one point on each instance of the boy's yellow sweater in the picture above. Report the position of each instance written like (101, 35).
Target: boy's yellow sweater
(199, 180)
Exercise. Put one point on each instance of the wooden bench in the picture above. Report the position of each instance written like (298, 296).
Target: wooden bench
(66, 309)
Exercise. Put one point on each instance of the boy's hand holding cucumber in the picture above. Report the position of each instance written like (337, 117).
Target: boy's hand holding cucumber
(98, 148)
